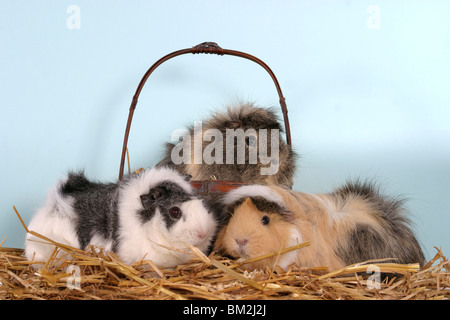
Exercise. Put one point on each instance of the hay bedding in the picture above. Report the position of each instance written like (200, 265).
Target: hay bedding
(95, 274)
(103, 276)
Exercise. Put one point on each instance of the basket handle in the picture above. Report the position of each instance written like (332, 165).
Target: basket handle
(205, 47)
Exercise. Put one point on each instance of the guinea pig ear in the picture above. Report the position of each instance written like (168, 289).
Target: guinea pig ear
(146, 201)
(152, 196)
(287, 215)
(187, 177)
(157, 193)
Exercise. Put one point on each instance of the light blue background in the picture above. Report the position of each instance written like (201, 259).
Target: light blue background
(362, 102)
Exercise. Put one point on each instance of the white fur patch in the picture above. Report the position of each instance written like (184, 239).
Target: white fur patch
(290, 257)
(100, 242)
(253, 191)
(334, 214)
(55, 220)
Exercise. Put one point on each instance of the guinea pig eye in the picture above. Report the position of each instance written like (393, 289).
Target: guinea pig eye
(175, 213)
(265, 220)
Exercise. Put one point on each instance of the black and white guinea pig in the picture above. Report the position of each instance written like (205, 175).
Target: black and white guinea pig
(275, 160)
(152, 215)
(355, 223)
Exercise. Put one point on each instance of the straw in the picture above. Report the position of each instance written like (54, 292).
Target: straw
(94, 274)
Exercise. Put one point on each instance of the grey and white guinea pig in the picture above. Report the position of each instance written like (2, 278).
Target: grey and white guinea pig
(151, 215)
(353, 224)
(279, 164)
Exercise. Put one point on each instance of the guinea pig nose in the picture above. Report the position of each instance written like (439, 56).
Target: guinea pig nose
(241, 242)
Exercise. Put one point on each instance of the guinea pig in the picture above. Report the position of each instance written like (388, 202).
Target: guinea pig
(152, 215)
(242, 143)
(353, 224)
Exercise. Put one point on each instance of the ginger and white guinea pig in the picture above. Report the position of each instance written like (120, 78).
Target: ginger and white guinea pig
(152, 215)
(353, 224)
(265, 157)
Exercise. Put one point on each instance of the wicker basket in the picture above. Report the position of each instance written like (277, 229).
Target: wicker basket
(205, 186)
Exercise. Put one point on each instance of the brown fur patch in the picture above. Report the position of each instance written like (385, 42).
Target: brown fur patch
(342, 229)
